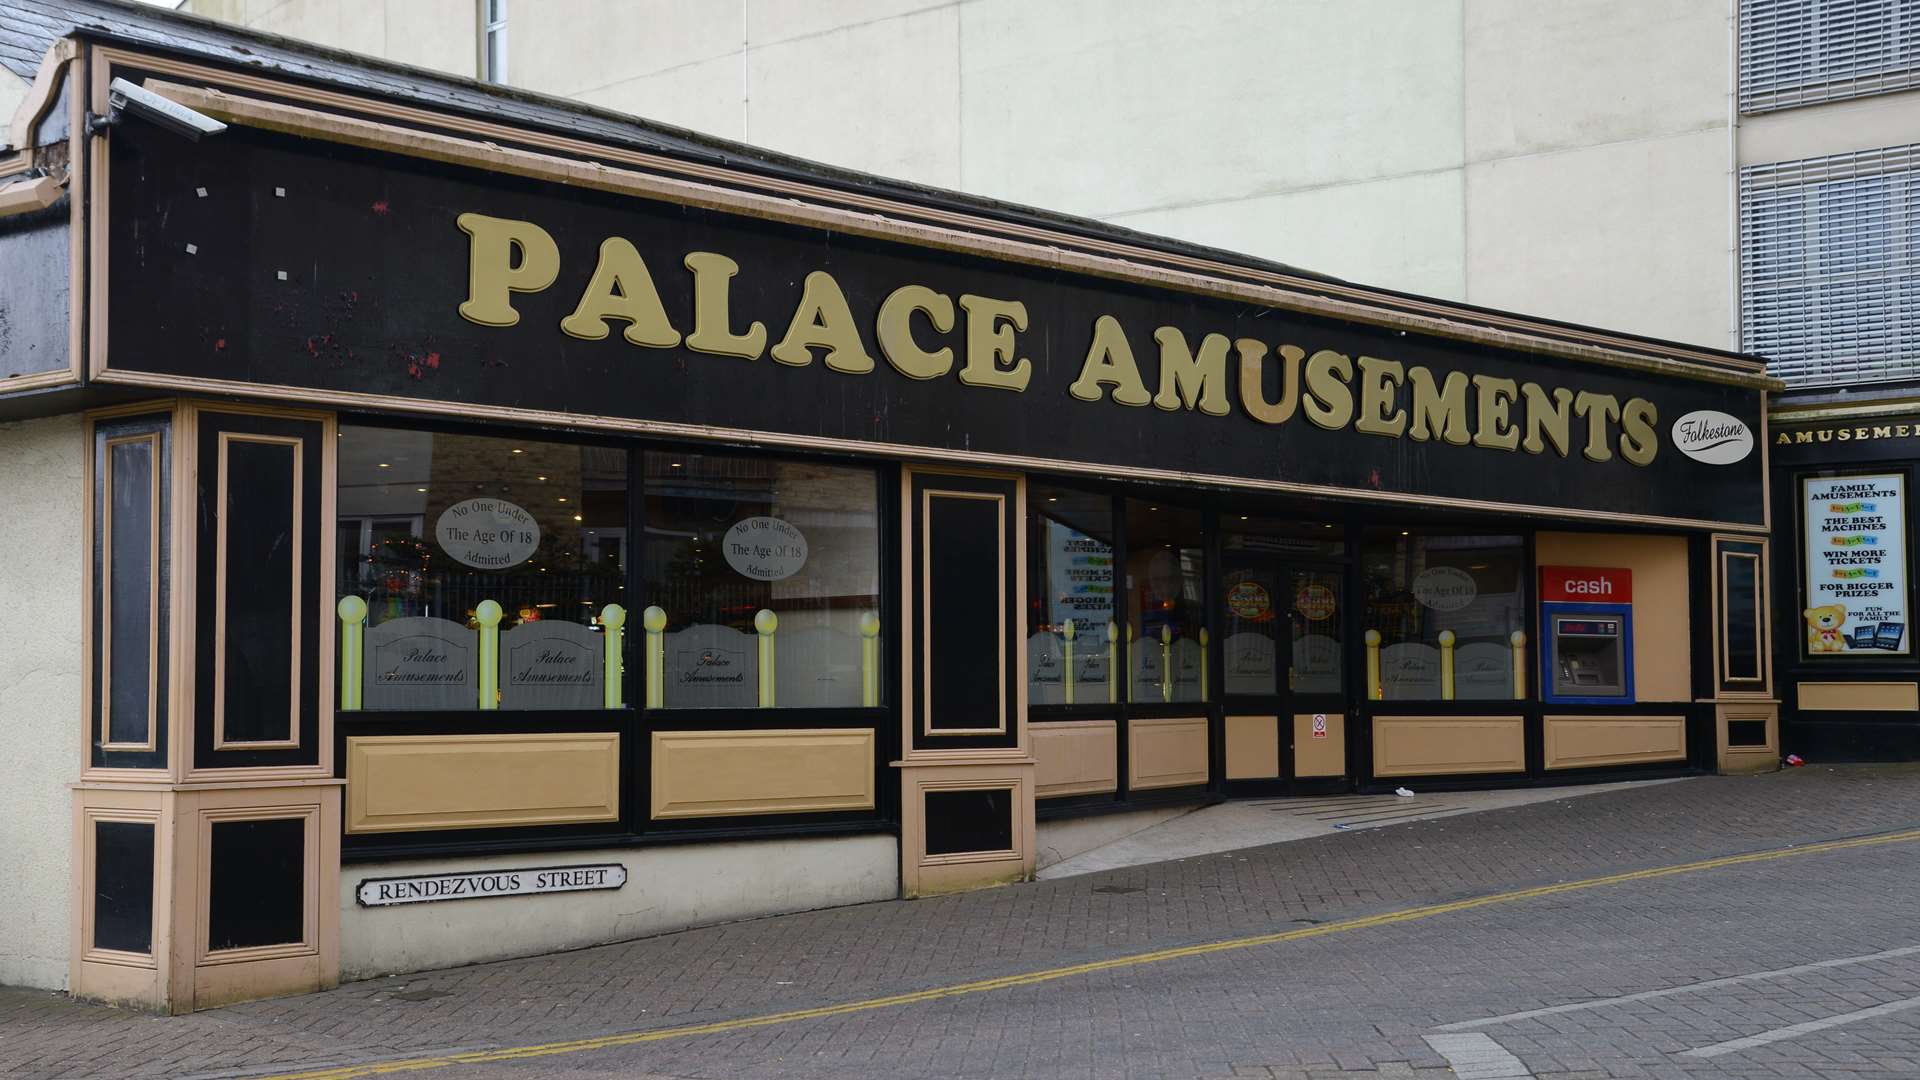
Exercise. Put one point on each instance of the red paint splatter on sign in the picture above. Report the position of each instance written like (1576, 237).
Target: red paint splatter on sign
(219, 344)
(433, 360)
(380, 206)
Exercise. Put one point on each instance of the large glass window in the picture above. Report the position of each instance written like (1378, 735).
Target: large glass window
(1071, 622)
(1166, 610)
(767, 574)
(479, 572)
(1445, 608)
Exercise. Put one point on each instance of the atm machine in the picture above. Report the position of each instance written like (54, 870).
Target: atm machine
(1586, 621)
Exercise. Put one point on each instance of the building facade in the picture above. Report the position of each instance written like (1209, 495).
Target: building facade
(474, 525)
(1740, 174)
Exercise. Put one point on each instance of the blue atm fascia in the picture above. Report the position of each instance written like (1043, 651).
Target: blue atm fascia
(1550, 645)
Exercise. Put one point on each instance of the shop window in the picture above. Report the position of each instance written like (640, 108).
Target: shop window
(1283, 613)
(491, 572)
(1166, 609)
(1441, 613)
(1071, 620)
(766, 574)
(493, 40)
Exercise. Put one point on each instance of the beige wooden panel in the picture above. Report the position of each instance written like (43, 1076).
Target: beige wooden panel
(1074, 757)
(1860, 696)
(1440, 745)
(1662, 636)
(1319, 757)
(782, 771)
(1253, 747)
(1574, 742)
(1748, 759)
(1166, 753)
(399, 783)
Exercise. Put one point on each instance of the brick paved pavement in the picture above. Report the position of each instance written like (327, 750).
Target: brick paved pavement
(1329, 1006)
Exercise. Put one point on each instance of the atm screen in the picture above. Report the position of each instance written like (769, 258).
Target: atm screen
(1589, 660)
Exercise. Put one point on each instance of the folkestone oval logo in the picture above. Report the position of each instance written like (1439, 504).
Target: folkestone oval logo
(1713, 437)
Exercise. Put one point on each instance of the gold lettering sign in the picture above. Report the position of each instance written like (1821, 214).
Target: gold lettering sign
(1851, 433)
(915, 330)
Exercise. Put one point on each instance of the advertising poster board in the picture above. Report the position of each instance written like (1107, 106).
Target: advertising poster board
(1856, 598)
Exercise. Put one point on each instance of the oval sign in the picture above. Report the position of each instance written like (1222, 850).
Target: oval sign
(1314, 602)
(1712, 437)
(764, 548)
(488, 533)
(1444, 588)
(1249, 600)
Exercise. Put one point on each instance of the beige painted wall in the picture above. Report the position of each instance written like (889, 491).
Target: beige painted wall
(668, 888)
(1662, 641)
(1569, 159)
(438, 34)
(41, 477)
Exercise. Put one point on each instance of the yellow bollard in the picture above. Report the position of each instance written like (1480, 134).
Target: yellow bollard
(1373, 665)
(653, 623)
(1066, 676)
(1519, 639)
(1113, 655)
(870, 660)
(612, 618)
(353, 620)
(487, 613)
(1166, 663)
(1203, 663)
(765, 623)
(1446, 665)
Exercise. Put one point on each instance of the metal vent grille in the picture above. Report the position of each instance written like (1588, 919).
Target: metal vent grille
(1830, 266)
(1795, 52)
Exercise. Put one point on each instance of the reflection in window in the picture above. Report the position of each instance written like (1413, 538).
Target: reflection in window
(1166, 613)
(444, 537)
(1422, 586)
(1070, 556)
(752, 560)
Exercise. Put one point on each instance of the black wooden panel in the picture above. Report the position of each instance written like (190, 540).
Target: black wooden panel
(136, 645)
(1746, 733)
(976, 819)
(131, 568)
(123, 886)
(256, 894)
(34, 335)
(259, 666)
(1739, 588)
(965, 627)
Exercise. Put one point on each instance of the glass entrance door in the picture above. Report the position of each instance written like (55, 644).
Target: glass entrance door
(1283, 657)
(1316, 702)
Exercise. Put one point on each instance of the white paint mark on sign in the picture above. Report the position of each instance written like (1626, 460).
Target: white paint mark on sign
(426, 888)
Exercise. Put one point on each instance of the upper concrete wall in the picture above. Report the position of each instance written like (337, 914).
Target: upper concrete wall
(42, 486)
(1570, 159)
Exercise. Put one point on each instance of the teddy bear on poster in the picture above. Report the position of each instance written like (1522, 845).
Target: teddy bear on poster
(1823, 629)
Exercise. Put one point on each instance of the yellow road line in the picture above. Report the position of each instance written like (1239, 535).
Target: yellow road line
(1031, 978)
